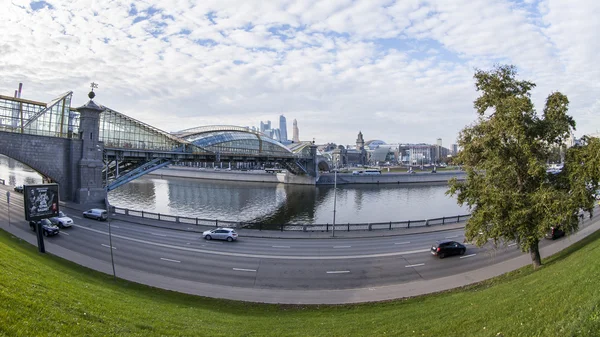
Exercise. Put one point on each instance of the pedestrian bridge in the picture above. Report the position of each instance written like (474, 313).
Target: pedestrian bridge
(77, 146)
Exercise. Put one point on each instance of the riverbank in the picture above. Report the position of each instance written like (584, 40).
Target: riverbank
(261, 176)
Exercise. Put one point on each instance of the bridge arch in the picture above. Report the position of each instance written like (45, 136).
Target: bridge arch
(233, 139)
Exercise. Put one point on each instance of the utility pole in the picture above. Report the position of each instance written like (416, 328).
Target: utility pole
(334, 195)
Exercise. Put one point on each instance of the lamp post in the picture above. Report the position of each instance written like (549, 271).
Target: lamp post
(107, 206)
(334, 195)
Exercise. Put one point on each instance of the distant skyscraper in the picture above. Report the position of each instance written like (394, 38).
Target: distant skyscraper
(439, 142)
(454, 149)
(283, 128)
(265, 126)
(296, 135)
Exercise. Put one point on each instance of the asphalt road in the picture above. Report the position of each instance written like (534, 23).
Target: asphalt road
(271, 263)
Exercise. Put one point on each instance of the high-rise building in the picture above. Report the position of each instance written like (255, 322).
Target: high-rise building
(454, 149)
(283, 128)
(265, 126)
(296, 135)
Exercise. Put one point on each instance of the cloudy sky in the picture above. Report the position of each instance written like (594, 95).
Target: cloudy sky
(399, 71)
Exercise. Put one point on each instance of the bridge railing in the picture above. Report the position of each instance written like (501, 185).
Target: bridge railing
(186, 222)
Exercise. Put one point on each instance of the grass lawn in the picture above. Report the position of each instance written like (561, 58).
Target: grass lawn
(42, 295)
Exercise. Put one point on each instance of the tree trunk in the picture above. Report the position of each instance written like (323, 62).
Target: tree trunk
(534, 251)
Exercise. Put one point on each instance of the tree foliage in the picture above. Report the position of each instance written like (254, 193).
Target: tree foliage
(504, 153)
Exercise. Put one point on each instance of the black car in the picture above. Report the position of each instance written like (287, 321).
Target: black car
(48, 229)
(555, 233)
(445, 248)
(19, 189)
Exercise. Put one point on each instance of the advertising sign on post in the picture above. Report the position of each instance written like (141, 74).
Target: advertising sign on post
(40, 201)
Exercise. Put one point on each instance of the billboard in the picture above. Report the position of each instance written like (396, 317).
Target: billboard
(41, 201)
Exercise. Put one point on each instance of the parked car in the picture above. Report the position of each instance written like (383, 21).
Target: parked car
(48, 229)
(228, 234)
(96, 213)
(554, 233)
(445, 248)
(62, 220)
(19, 188)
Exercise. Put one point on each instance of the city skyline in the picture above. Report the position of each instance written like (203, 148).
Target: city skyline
(408, 78)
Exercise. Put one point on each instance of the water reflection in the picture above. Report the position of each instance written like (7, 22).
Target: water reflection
(268, 203)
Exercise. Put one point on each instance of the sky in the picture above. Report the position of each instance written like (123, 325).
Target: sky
(399, 71)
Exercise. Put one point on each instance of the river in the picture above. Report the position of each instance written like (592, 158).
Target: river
(269, 203)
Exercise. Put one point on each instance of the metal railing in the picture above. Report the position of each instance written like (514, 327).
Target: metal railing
(391, 225)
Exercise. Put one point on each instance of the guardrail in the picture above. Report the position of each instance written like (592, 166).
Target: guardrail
(391, 225)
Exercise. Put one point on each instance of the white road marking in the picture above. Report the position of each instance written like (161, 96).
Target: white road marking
(470, 255)
(342, 246)
(512, 244)
(190, 228)
(188, 243)
(76, 217)
(242, 269)
(162, 258)
(415, 265)
(157, 234)
(107, 246)
(452, 237)
(114, 226)
(338, 272)
(401, 243)
(280, 246)
(259, 256)
(63, 233)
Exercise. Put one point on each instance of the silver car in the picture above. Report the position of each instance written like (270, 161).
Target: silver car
(228, 234)
(62, 220)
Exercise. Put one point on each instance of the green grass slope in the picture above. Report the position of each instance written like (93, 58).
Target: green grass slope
(42, 295)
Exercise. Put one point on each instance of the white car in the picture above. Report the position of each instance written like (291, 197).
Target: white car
(228, 234)
(62, 220)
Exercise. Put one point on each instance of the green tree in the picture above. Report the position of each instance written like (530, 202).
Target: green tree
(511, 195)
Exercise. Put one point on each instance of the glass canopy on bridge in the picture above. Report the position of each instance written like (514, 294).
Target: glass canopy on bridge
(55, 119)
(120, 131)
(234, 140)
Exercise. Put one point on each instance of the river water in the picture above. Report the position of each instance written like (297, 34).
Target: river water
(269, 203)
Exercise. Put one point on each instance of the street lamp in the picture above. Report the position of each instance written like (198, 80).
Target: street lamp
(107, 206)
(334, 195)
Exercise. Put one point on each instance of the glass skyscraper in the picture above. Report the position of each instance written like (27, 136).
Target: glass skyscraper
(283, 128)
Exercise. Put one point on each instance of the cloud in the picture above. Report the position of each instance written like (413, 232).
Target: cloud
(400, 71)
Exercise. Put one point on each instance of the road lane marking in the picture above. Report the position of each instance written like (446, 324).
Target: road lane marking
(76, 217)
(280, 246)
(162, 258)
(158, 234)
(63, 233)
(259, 256)
(512, 244)
(342, 246)
(470, 255)
(415, 265)
(107, 246)
(452, 237)
(242, 269)
(114, 226)
(338, 272)
(401, 243)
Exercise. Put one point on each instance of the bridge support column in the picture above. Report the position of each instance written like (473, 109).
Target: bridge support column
(90, 189)
(312, 165)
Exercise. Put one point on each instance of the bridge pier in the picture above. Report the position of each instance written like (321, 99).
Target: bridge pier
(89, 183)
